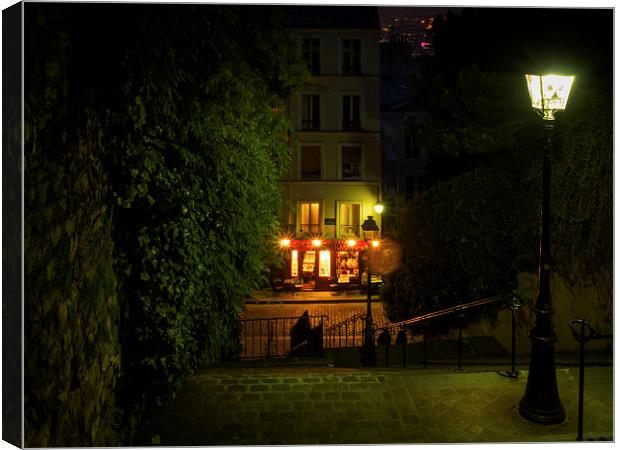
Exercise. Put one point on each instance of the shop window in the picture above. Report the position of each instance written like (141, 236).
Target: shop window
(311, 115)
(351, 112)
(309, 218)
(310, 162)
(347, 266)
(311, 53)
(351, 162)
(351, 56)
(294, 264)
(349, 215)
(308, 263)
(324, 263)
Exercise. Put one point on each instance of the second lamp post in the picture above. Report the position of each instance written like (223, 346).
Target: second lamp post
(369, 356)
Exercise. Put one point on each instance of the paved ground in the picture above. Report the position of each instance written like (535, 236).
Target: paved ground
(318, 405)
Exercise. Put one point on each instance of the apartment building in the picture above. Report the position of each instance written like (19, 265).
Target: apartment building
(405, 162)
(334, 182)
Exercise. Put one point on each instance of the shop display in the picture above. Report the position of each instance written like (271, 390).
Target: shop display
(347, 266)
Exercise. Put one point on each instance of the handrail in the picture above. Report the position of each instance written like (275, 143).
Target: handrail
(444, 312)
(353, 318)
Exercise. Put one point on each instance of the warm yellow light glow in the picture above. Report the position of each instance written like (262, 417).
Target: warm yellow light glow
(317, 242)
(351, 242)
(549, 93)
(379, 208)
(375, 244)
(285, 242)
(294, 263)
(324, 263)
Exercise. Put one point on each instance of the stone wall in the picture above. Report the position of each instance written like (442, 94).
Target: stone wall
(570, 301)
(71, 310)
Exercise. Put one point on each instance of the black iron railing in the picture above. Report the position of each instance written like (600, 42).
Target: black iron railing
(583, 332)
(282, 336)
(400, 332)
(346, 333)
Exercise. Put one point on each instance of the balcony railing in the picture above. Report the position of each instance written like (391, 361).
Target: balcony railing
(312, 228)
(311, 124)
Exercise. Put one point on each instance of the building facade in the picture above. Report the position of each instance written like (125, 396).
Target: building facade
(334, 181)
(405, 162)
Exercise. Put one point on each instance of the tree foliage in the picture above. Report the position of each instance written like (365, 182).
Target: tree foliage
(471, 234)
(202, 147)
(188, 102)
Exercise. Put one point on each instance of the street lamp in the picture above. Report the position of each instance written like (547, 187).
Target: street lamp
(369, 356)
(541, 401)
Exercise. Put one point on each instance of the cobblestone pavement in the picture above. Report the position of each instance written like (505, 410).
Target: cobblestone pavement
(311, 405)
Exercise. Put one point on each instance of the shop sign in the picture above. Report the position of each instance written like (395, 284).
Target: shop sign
(330, 221)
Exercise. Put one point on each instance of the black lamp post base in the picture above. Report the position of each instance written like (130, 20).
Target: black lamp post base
(541, 416)
(541, 401)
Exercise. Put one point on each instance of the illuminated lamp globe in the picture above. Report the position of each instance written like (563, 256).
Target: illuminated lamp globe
(378, 208)
(285, 242)
(316, 242)
(549, 93)
(351, 242)
(375, 244)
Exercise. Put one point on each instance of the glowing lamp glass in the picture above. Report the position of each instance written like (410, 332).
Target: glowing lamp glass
(379, 208)
(285, 242)
(351, 242)
(549, 93)
(375, 244)
(316, 242)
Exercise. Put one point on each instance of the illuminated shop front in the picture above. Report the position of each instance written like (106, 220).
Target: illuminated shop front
(314, 264)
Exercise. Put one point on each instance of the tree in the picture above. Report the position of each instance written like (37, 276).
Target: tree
(165, 140)
(477, 228)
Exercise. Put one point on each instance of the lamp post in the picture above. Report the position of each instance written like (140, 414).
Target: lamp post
(369, 356)
(541, 401)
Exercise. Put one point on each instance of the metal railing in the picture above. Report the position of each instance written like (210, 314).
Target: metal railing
(405, 327)
(272, 337)
(346, 333)
(583, 332)
(350, 332)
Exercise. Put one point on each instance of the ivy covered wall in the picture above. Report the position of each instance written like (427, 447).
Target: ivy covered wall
(71, 310)
(153, 153)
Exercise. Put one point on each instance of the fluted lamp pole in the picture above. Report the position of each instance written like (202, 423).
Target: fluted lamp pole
(369, 356)
(541, 401)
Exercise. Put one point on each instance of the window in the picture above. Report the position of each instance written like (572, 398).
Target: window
(414, 185)
(324, 263)
(309, 218)
(311, 118)
(351, 112)
(349, 215)
(351, 162)
(310, 51)
(412, 151)
(310, 162)
(294, 263)
(351, 56)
